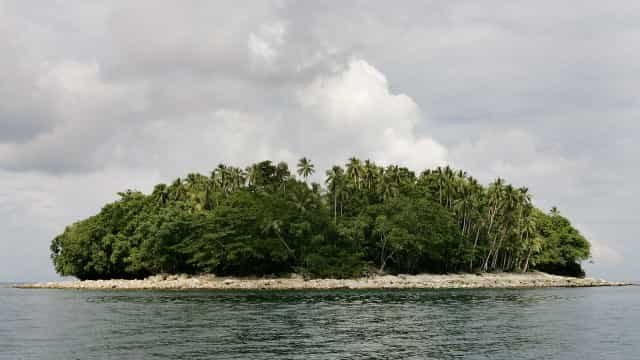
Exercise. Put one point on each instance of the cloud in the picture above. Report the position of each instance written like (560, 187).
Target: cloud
(515, 154)
(264, 46)
(601, 252)
(356, 103)
(105, 96)
(85, 113)
(34, 207)
(24, 104)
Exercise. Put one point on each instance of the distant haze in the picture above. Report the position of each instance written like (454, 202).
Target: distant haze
(98, 97)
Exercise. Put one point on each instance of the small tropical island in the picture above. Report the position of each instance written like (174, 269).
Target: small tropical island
(367, 226)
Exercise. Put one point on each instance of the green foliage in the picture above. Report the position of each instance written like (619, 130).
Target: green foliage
(262, 220)
(563, 247)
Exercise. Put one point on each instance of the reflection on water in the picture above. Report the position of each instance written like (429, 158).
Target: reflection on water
(440, 324)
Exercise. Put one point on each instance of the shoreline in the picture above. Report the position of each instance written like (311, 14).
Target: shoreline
(296, 282)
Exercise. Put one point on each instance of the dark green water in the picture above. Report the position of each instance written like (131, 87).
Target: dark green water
(594, 323)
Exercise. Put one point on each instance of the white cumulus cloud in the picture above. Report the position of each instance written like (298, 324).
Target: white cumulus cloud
(356, 102)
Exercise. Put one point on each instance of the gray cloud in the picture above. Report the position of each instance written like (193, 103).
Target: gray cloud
(24, 106)
(105, 96)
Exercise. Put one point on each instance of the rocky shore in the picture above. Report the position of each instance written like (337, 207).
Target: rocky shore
(294, 282)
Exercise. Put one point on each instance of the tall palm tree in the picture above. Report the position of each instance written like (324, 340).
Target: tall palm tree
(236, 178)
(335, 184)
(369, 173)
(495, 205)
(305, 168)
(441, 183)
(388, 187)
(529, 234)
(177, 190)
(283, 175)
(253, 174)
(220, 178)
(354, 171)
(392, 172)
(195, 186)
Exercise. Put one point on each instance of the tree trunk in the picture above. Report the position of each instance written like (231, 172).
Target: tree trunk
(526, 262)
(485, 265)
(383, 260)
(492, 213)
(473, 252)
(494, 263)
(335, 207)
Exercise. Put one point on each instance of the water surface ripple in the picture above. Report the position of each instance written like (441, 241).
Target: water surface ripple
(589, 323)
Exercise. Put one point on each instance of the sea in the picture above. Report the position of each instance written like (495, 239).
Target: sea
(555, 323)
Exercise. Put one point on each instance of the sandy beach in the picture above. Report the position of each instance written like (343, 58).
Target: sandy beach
(295, 282)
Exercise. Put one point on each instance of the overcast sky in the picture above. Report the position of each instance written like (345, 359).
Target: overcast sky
(100, 96)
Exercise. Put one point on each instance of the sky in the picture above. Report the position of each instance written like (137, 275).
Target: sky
(98, 97)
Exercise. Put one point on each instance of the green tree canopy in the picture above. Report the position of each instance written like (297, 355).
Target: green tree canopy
(261, 220)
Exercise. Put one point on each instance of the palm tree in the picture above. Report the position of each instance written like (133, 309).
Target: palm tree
(388, 188)
(394, 174)
(283, 174)
(335, 184)
(529, 233)
(514, 205)
(236, 178)
(274, 227)
(209, 191)
(302, 199)
(305, 168)
(196, 190)
(177, 190)
(441, 183)
(354, 171)
(161, 194)
(495, 198)
(253, 174)
(192, 181)
(369, 173)
(220, 178)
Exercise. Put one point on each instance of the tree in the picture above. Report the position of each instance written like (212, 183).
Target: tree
(262, 221)
(382, 229)
(305, 168)
(354, 171)
(335, 183)
(161, 194)
(283, 174)
(388, 187)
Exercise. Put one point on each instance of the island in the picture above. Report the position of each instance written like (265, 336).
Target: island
(366, 226)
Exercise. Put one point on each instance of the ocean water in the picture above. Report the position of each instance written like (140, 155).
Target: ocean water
(589, 323)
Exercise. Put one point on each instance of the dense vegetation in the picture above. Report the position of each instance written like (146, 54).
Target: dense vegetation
(263, 220)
